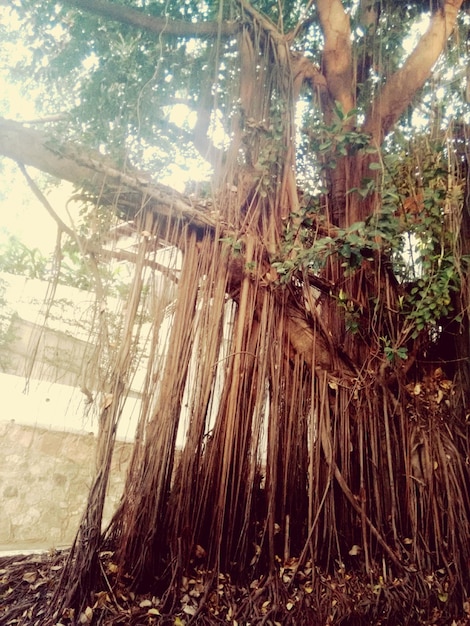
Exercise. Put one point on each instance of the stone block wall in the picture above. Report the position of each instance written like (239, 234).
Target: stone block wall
(45, 476)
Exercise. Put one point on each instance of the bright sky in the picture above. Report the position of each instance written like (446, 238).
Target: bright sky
(21, 213)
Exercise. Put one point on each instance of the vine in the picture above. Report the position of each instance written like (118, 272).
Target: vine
(409, 233)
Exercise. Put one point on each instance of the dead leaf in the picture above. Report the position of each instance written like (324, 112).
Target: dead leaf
(153, 612)
(107, 400)
(30, 577)
(87, 616)
(199, 552)
(39, 583)
(189, 610)
(101, 599)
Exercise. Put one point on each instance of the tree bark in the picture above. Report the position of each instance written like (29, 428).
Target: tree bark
(400, 88)
(337, 52)
(128, 191)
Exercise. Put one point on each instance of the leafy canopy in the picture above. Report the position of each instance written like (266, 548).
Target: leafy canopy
(117, 86)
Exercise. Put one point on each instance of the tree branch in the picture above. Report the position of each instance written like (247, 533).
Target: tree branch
(152, 23)
(130, 191)
(264, 22)
(200, 138)
(63, 227)
(369, 15)
(305, 71)
(87, 246)
(400, 88)
(337, 52)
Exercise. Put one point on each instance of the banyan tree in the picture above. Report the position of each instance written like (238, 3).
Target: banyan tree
(314, 350)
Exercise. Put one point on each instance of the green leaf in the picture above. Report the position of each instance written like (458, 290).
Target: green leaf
(339, 111)
(326, 145)
(356, 226)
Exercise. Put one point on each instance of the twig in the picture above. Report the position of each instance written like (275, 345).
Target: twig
(85, 246)
(45, 203)
(113, 596)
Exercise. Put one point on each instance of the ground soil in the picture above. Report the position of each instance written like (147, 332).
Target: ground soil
(292, 597)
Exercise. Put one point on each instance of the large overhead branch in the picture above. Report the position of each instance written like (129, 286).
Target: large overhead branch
(400, 88)
(337, 52)
(152, 23)
(95, 174)
(130, 191)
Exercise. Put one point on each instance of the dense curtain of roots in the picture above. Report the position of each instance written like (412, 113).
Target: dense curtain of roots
(281, 460)
(296, 444)
(288, 452)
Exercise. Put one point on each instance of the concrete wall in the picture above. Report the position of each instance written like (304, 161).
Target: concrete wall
(44, 480)
(46, 354)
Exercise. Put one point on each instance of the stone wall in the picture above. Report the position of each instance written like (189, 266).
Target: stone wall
(45, 476)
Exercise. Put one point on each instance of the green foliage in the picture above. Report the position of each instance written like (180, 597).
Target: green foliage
(74, 270)
(113, 83)
(339, 139)
(93, 232)
(271, 149)
(116, 84)
(119, 84)
(235, 245)
(414, 200)
(351, 311)
(17, 258)
(431, 275)
(393, 354)
(352, 245)
(430, 299)
(7, 334)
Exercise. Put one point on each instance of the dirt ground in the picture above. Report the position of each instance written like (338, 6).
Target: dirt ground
(291, 598)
